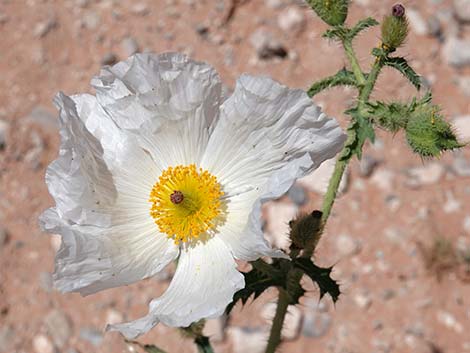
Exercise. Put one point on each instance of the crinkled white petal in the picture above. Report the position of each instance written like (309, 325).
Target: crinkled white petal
(101, 182)
(91, 259)
(204, 283)
(267, 137)
(148, 88)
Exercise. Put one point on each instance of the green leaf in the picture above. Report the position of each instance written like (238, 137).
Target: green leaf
(321, 276)
(359, 131)
(260, 278)
(405, 69)
(203, 344)
(361, 26)
(342, 78)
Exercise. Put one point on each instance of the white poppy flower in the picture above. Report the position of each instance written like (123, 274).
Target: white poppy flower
(159, 166)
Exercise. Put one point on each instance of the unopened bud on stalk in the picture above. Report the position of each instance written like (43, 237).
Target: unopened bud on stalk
(394, 28)
(333, 12)
(305, 230)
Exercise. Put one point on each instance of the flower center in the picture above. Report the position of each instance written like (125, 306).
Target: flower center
(185, 202)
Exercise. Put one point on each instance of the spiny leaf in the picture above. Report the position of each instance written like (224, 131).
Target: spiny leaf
(260, 278)
(321, 276)
(359, 131)
(342, 78)
(361, 26)
(406, 70)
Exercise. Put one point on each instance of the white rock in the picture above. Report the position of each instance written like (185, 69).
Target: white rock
(417, 22)
(292, 322)
(318, 180)
(130, 46)
(462, 127)
(215, 329)
(274, 4)
(452, 204)
(316, 324)
(278, 215)
(244, 340)
(363, 301)
(291, 20)
(42, 344)
(43, 28)
(466, 224)
(347, 245)
(266, 45)
(394, 235)
(140, 9)
(461, 165)
(462, 9)
(464, 85)
(113, 317)
(59, 327)
(428, 174)
(91, 20)
(456, 52)
(449, 320)
(383, 179)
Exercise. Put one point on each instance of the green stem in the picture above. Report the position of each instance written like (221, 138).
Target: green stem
(278, 321)
(356, 68)
(333, 188)
(370, 83)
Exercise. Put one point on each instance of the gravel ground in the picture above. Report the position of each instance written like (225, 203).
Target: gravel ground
(395, 233)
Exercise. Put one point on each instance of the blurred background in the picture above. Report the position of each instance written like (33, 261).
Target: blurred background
(399, 236)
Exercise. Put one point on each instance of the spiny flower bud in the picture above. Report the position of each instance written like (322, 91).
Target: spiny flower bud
(394, 28)
(429, 134)
(305, 230)
(333, 12)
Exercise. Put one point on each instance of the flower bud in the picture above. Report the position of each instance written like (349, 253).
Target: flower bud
(305, 230)
(333, 12)
(429, 134)
(394, 28)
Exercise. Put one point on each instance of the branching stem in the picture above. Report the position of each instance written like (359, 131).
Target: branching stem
(356, 68)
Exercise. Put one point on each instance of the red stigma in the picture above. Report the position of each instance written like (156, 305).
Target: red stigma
(176, 197)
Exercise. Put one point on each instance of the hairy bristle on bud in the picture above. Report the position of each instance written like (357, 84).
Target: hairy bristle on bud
(305, 230)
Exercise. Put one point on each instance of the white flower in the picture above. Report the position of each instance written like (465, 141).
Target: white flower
(158, 167)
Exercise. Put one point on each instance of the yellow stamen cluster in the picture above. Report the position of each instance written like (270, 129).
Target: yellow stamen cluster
(192, 213)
